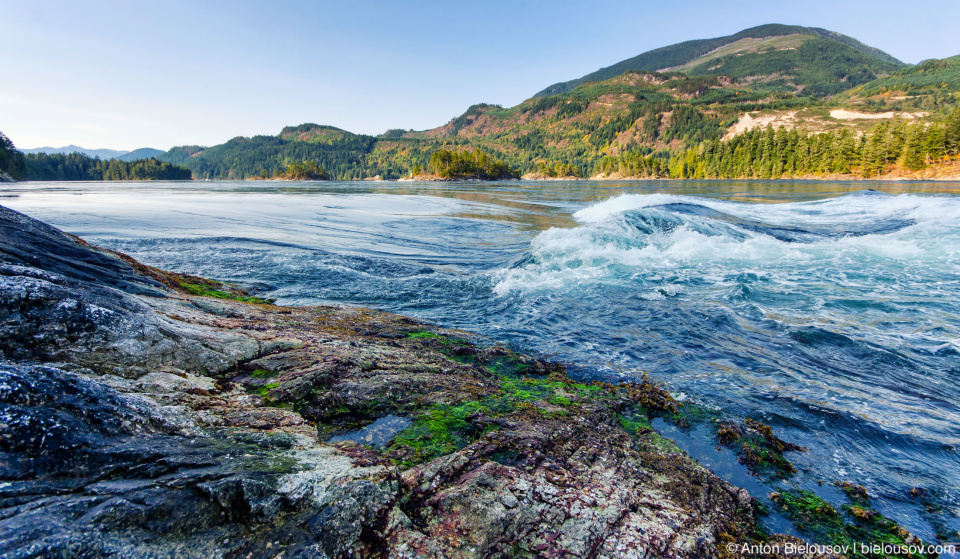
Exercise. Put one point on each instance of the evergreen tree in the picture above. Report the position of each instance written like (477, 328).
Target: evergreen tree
(913, 157)
(11, 160)
(872, 160)
(80, 167)
(935, 143)
(953, 133)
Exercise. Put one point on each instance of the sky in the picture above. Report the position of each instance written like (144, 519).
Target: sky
(131, 74)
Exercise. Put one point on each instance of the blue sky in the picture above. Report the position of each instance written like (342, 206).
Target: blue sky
(142, 73)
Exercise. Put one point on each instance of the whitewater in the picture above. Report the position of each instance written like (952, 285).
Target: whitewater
(827, 310)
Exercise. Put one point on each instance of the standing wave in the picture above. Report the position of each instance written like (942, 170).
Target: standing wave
(837, 320)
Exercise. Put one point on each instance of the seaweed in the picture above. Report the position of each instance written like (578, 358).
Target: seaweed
(858, 527)
(210, 288)
(441, 429)
(758, 448)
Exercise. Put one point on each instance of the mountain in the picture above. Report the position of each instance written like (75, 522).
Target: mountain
(142, 153)
(122, 155)
(101, 153)
(782, 57)
(930, 77)
(810, 81)
(647, 115)
(341, 154)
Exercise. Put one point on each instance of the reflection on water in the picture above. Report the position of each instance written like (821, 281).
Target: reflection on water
(377, 434)
(820, 308)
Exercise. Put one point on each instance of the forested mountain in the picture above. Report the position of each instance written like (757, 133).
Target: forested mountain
(810, 81)
(340, 153)
(930, 77)
(142, 153)
(12, 162)
(779, 55)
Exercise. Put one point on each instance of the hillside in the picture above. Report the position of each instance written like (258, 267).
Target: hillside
(936, 78)
(806, 80)
(782, 56)
(142, 153)
(339, 152)
(655, 116)
(12, 162)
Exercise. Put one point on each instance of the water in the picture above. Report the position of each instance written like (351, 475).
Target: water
(824, 309)
(376, 434)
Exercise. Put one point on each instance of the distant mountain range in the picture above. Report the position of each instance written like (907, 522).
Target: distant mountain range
(123, 155)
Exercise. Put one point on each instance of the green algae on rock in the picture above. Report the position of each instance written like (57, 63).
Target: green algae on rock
(857, 525)
(167, 422)
(758, 448)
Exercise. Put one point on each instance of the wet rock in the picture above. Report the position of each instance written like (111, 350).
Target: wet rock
(95, 471)
(137, 420)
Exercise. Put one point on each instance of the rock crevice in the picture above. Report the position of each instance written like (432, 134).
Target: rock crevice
(138, 419)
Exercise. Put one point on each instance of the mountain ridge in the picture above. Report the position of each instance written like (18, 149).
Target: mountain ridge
(102, 153)
(141, 153)
(684, 52)
(799, 76)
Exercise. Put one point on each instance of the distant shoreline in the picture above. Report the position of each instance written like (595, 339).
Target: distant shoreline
(848, 178)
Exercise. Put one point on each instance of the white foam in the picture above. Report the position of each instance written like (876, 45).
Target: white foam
(858, 208)
(608, 248)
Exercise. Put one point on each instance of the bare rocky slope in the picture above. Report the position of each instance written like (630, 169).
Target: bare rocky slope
(140, 420)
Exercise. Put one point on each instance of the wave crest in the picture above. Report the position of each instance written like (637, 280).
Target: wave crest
(641, 239)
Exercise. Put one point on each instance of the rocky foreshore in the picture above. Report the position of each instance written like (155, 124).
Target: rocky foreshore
(150, 414)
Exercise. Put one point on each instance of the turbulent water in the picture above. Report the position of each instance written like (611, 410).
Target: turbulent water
(828, 311)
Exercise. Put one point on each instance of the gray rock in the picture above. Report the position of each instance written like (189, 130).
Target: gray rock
(93, 472)
(139, 421)
(61, 300)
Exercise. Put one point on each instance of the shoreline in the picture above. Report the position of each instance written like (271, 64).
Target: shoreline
(437, 431)
(595, 178)
(222, 404)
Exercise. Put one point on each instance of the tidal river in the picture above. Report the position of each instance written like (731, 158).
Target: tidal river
(830, 311)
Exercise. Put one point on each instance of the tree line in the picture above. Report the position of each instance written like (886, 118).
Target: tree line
(12, 161)
(268, 156)
(691, 142)
(476, 164)
(780, 153)
(80, 167)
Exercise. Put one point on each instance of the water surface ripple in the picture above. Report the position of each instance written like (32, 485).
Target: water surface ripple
(825, 309)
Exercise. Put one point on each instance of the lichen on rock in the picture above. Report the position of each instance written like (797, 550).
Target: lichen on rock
(144, 419)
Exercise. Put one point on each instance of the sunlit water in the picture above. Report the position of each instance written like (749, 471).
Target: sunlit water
(826, 310)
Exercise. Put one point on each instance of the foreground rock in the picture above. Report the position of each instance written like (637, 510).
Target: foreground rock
(140, 420)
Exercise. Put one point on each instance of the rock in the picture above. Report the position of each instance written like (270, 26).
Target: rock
(137, 420)
(63, 301)
(96, 471)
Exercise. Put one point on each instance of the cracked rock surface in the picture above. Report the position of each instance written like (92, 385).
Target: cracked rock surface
(138, 420)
